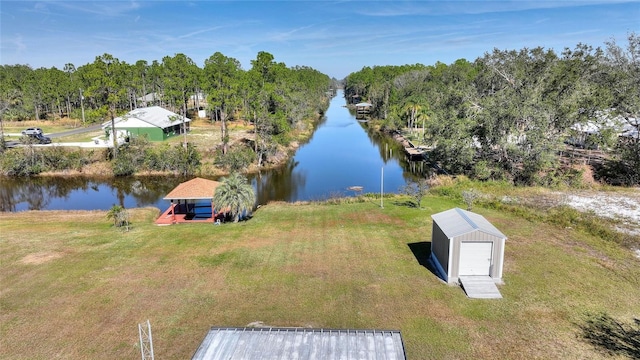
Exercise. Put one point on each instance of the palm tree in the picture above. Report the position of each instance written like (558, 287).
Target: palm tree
(235, 195)
(414, 112)
(120, 216)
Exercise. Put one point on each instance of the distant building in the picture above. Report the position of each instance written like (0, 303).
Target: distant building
(587, 134)
(149, 99)
(363, 109)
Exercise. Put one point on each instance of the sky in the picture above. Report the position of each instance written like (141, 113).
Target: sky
(333, 37)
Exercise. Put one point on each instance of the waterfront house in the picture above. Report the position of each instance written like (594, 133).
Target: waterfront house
(155, 122)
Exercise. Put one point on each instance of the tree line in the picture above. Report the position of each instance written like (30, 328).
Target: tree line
(272, 96)
(509, 114)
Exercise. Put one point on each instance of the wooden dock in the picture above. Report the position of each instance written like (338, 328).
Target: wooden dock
(480, 287)
(414, 152)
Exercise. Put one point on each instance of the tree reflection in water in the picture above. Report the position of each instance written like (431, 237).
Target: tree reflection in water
(67, 193)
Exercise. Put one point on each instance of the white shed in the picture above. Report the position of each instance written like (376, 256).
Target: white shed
(464, 244)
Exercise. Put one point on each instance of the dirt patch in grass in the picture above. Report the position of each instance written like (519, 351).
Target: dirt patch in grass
(40, 258)
(62, 218)
(371, 217)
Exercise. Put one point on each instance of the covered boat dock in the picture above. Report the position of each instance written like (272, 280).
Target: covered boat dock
(191, 201)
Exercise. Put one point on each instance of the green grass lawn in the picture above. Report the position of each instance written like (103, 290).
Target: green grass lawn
(83, 137)
(72, 286)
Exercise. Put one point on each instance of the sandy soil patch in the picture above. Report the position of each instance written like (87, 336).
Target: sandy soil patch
(607, 205)
(40, 258)
(623, 207)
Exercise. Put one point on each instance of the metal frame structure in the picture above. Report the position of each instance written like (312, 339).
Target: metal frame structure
(146, 341)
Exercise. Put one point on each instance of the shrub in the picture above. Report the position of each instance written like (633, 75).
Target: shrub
(24, 161)
(618, 172)
(120, 216)
(186, 161)
(469, 197)
(124, 164)
(58, 158)
(157, 159)
(482, 171)
(416, 191)
(236, 159)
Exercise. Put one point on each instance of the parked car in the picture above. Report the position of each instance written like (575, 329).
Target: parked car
(32, 131)
(41, 139)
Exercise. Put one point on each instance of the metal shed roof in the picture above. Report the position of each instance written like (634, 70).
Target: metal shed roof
(154, 116)
(456, 222)
(300, 343)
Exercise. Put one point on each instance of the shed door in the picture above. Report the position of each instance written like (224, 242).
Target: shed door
(475, 258)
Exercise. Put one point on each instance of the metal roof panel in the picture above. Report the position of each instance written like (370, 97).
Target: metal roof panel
(456, 222)
(300, 343)
(152, 115)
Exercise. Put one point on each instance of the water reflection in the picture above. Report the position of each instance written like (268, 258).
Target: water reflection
(278, 184)
(80, 193)
(342, 153)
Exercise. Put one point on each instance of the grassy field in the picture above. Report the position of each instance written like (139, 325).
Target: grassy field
(46, 126)
(72, 286)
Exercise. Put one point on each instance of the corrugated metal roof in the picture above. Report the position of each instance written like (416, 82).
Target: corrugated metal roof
(456, 222)
(154, 115)
(300, 343)
(194, 189)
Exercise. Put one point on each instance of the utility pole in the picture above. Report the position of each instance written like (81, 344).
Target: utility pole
(382, 188)
(82, 105)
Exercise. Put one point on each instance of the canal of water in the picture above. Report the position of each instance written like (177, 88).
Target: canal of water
(342, 154)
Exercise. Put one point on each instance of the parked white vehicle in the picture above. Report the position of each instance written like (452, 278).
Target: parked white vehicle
(32, 131)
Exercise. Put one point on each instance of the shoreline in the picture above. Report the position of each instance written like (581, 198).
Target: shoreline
(103, 169)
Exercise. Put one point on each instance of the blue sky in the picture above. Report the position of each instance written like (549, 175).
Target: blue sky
(334, 37)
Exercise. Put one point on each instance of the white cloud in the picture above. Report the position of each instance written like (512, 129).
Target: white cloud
(106, 8)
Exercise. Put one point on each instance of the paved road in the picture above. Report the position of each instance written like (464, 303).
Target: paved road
(75, 131)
